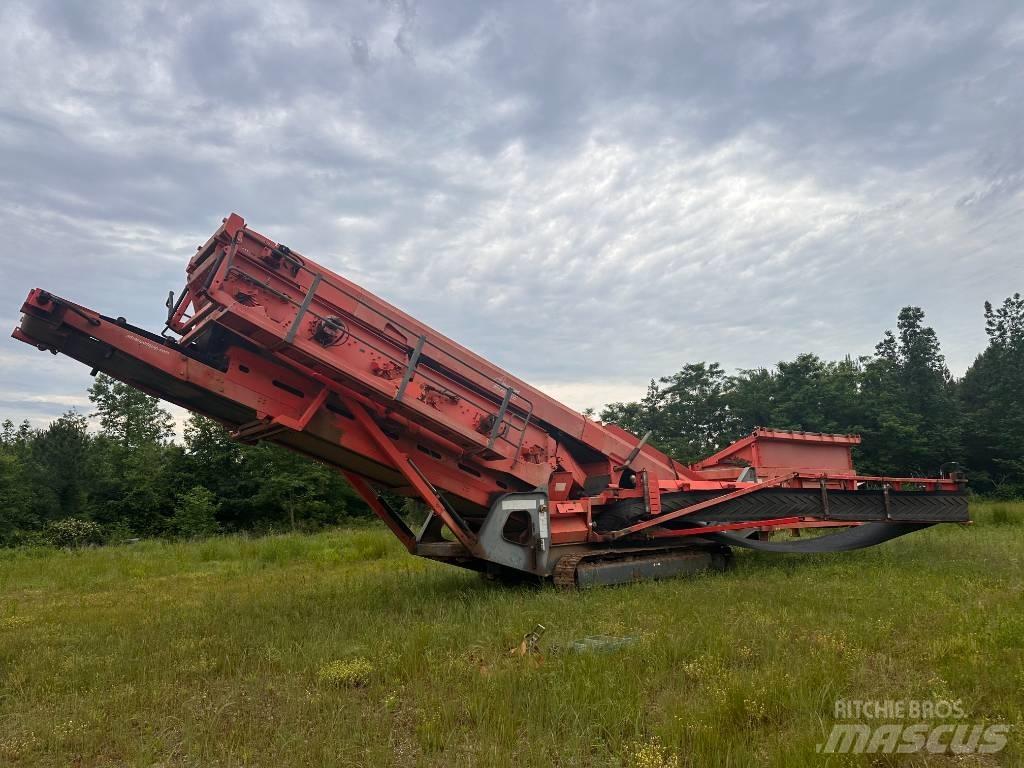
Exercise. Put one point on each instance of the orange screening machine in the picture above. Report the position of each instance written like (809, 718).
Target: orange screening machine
(275, 347)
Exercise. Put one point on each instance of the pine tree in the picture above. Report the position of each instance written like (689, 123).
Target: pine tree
(992, 393)
(59, 463)
(696, 420)
(911, 412)
(15, 495)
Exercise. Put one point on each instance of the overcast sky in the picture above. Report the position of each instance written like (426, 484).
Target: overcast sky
(589, 194)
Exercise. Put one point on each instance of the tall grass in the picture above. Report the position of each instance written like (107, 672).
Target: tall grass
(999, 512)
(340, 649)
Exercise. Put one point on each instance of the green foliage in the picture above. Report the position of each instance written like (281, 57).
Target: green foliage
(687, 413)
(346, 673)
(264, 487)
(72, 532)
(57, 462)
(693, 410)
(1002, 515)
(129, 481)
(992, 393)
(129, 417)
(911, 413)
(214, 458)
(195, 514)
(14, 498)
(806, 394)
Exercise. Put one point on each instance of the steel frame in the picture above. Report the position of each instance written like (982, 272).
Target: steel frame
(320, 365)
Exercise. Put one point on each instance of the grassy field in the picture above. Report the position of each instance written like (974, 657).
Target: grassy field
(339, 649)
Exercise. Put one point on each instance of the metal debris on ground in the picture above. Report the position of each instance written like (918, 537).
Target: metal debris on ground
(531, 642)
(600, 644)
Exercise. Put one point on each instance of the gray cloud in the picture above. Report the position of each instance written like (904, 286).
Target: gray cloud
(590, 194)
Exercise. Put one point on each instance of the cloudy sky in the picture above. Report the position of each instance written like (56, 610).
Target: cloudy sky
(590, 194)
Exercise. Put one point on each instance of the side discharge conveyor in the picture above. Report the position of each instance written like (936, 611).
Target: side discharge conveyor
(275, 347)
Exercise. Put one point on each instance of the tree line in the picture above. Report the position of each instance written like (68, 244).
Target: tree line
(126, 477)
(72, 484)
(913, 415)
